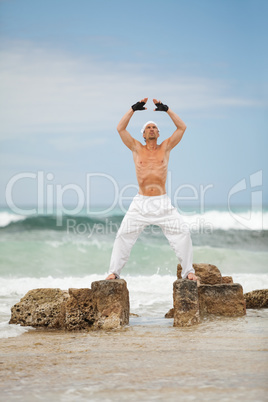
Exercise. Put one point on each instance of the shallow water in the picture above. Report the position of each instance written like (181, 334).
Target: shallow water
(222, 359)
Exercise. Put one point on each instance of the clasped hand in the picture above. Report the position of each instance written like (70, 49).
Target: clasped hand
(160, 107)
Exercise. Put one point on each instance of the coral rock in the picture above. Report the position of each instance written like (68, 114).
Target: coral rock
(170, 313)
(224, 299)
(80, 311)
(208, 274)
(105, 306)
(41, 308)
(112, 303)
(227, 279)
(185, 298)
(257, 299)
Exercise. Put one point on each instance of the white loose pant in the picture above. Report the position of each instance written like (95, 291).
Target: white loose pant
(157, 210)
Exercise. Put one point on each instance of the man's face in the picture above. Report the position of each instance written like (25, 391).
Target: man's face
(151, 132)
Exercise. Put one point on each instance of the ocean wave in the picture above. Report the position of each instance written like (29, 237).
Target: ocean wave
(73, 224)
(207, 221)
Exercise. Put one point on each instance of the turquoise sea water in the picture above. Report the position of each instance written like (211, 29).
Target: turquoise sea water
(45, 251)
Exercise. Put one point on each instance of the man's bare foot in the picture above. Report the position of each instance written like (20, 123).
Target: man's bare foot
(111, 276)
(192, 277)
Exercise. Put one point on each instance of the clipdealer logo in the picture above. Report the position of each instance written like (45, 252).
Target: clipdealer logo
(254, 217)
(50, 197)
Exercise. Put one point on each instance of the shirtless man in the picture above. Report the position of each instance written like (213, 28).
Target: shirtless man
(151, 206)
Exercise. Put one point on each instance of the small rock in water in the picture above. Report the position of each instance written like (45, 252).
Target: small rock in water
(257, 299)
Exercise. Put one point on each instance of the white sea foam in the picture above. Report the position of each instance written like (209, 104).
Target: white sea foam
(152, 288)
(225, 220)
(6, 218)
(17, 287)
(251, 282)
(11, 330)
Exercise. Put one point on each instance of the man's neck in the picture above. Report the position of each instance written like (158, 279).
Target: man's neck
(151, 145)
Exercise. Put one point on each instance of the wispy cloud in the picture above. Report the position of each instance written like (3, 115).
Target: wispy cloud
(14, 160)
(44, 91)
(74, 144)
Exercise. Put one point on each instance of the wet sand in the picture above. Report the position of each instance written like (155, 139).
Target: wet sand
(223, 359)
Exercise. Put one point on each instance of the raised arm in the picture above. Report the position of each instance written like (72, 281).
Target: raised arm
(181, 126)
(127, 139)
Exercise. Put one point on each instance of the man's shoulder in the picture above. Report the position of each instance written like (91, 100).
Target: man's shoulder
(164, 144)
(138, 146)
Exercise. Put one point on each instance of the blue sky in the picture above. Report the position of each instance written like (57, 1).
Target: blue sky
(71, 69)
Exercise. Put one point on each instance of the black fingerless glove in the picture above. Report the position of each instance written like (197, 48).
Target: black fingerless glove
(161, 107)
(138, 106)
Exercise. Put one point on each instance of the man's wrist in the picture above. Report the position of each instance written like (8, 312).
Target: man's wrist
(160, 107)
(138, 106)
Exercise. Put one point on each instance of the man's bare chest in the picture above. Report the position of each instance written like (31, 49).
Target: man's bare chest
(151, 159)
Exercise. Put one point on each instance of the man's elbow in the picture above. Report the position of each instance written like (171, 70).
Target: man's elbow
(119, 128)
(182, 131)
